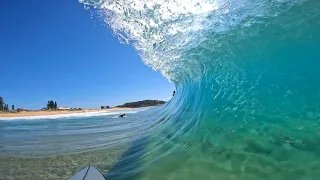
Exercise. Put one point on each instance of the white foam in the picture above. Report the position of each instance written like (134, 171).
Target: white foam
(163, 31)
(74, 115)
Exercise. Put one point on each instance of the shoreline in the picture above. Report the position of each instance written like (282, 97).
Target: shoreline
(55, 112)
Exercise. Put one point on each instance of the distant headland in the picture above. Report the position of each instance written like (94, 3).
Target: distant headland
(144, 103)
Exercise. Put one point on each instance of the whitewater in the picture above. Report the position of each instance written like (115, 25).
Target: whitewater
(246, 105)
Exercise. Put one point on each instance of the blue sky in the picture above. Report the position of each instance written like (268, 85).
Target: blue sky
(55, 49)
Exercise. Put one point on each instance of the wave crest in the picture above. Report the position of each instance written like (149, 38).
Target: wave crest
(163, 31)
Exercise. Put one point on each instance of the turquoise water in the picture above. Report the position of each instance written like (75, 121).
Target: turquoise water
(247, 102)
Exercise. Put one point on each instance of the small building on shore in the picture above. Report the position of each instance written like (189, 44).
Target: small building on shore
(63, 108)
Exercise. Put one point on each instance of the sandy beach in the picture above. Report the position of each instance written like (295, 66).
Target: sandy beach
(54, 112)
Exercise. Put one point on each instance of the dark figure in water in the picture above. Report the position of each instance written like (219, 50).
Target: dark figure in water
(174, 92)
(122, 115)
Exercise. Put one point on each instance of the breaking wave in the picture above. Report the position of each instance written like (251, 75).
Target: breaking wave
(247, 79)
(247, 101)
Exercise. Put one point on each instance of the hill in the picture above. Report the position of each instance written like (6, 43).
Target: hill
(144, 103)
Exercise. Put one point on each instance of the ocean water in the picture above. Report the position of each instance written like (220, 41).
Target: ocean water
(57, 146)
(247, 104)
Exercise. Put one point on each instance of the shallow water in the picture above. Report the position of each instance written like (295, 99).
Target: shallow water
(52, 147)
(246, 107)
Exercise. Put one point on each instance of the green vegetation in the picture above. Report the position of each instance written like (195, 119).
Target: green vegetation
(1, 103)
(3, 106)
(6, 107)
(144, 103)
(105, 107)
(52, 105)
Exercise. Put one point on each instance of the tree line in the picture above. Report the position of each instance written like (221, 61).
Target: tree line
(4, 106)
(52, 105)
(105, 107)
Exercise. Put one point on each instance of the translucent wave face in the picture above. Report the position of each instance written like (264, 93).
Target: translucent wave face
(162, 31)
